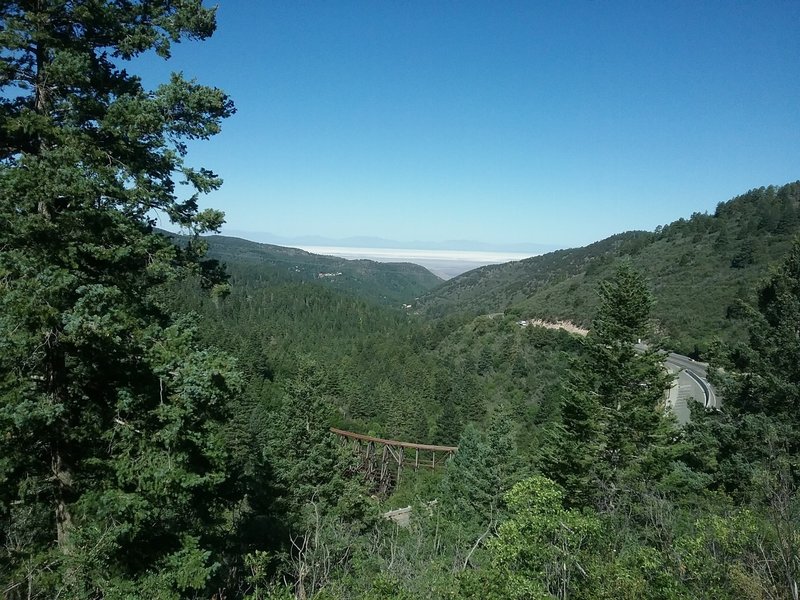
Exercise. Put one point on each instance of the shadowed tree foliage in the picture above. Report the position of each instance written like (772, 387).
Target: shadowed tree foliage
(758, 427)
(114, 473)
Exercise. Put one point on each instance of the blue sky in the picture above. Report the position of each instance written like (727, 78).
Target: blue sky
(528, 122)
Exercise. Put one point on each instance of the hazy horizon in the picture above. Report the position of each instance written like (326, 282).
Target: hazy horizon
(375, 242)
(443, 263)
(446, 258)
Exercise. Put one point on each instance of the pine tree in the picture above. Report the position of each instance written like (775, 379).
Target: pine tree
(759, 424)
(322, 501)
(572, 445)
(771, 385)
(505, 463)
(467, 487)
(448, 424)
(612, 413)
(301, 450)
(631, 384)
(757, 432)
(114, 472)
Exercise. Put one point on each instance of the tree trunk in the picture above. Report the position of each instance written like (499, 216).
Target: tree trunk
(62, 476)
(63, 517)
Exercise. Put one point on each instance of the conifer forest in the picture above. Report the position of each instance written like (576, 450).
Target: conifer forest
(167, 399)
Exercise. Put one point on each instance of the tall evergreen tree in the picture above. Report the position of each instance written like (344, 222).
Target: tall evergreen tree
(114, 473)
(302, 452)
(612, 413)
(467, 485)
(761, 384)
(754, 440)
(504, 462)
(572, 446)
(448, 424)
(631, 384)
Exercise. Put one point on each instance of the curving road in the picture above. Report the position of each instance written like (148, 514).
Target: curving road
(691, 383)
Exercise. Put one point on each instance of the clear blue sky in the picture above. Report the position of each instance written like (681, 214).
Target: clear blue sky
(546, 122)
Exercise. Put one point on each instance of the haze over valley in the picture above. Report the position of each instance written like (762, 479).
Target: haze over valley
(443, 263)
(446, 259)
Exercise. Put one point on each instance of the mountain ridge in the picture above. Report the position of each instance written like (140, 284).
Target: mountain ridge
(700, 269)
(393, 283)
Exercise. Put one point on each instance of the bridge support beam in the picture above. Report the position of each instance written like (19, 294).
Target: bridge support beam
(385, 470)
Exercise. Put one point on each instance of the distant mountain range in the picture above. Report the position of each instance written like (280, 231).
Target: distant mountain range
(377, 242)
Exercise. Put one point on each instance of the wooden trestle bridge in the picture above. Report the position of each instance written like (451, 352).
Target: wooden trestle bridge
(382, 461)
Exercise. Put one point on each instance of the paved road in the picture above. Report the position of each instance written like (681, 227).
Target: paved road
(684, 390)
(690, 384)
(697, 372)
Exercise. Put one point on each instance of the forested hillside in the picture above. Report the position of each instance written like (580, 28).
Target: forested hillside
(599, 480)
(699, 269)
(165, 426)
(394, 375)
(388, 283)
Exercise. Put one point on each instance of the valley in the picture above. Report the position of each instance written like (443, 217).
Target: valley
(186, 415)
(530, 369)
(442, 263)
